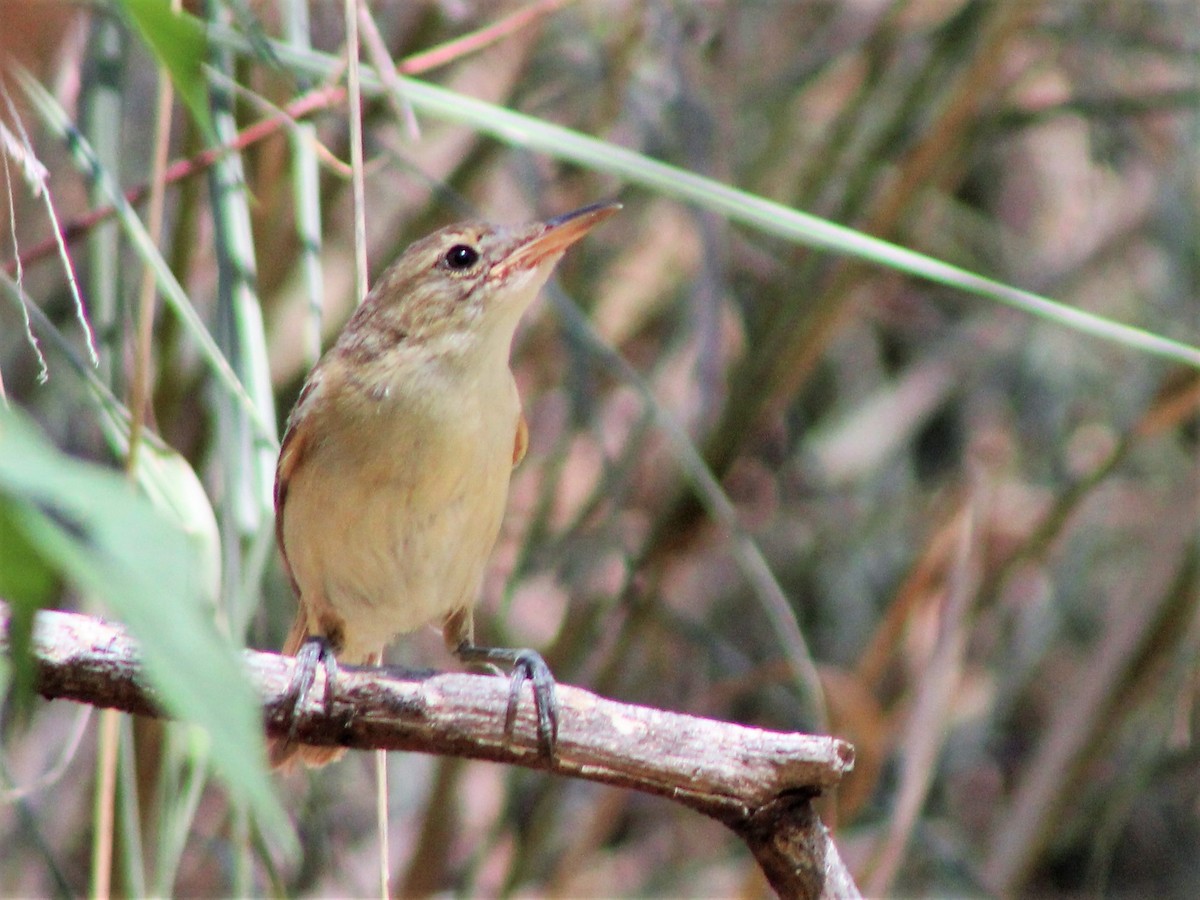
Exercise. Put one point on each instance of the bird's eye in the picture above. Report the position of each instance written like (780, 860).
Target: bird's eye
(460, 256)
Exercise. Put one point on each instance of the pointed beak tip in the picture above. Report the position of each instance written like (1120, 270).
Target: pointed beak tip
(560, 232)
(587, 216)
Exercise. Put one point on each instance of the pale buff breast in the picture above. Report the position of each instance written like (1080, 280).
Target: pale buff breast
(393, 532)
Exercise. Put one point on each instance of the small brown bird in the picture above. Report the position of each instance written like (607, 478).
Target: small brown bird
(394, 470)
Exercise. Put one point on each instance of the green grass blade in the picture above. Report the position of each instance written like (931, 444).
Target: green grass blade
(56, 118)
(247, 466)
(306, 189)
(757, 212)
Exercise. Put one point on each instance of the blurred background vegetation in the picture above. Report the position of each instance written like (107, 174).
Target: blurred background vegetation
(983, 522)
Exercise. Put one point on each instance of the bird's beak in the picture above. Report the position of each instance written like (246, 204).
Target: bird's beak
(550, 238)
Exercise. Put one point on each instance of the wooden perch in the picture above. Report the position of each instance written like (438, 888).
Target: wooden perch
(758, 783)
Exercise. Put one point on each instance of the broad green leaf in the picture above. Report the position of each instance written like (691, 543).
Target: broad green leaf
(178, 41)
(28, 581)
(109, 540)
(165, 476)
(175, 490)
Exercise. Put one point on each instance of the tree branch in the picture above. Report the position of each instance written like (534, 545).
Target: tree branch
(758, 783)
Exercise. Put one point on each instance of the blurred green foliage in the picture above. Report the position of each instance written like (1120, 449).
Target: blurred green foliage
(88, 526)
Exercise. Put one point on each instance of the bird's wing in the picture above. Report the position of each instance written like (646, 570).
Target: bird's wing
(291, 451)
(521, 440)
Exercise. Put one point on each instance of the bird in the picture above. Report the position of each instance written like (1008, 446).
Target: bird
(394, 468)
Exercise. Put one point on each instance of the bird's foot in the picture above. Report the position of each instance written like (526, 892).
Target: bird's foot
(524, 665)
(315, 651)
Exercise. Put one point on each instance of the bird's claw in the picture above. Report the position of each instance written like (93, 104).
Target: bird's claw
(315, 651)
(525, 665)
(529, 666)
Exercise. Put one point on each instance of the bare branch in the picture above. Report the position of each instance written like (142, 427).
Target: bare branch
(758, 783)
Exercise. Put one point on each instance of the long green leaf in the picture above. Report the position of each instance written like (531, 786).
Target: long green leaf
(103, 536)
(738, 205)
(163, 475)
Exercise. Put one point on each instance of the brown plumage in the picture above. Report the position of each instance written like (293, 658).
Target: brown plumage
(394, 470)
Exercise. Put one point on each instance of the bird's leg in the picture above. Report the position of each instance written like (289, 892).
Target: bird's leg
(315, 651)
(524, 665)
